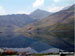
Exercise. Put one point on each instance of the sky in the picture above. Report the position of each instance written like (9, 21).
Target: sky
(28, 6)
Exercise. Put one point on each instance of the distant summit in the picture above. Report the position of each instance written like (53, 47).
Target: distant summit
(39, 14)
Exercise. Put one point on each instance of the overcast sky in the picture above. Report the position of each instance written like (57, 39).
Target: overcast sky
(28, 6)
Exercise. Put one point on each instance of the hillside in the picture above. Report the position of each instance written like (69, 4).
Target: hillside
(18, 20)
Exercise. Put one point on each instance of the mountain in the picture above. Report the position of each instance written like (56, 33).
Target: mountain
(39, 14)
(56, 30)
(50, 21)
(15, 20)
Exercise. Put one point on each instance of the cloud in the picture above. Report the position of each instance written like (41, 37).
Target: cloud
(38, 3)
(55, 8)
(56, 1)
(22, 12)
(2, 11)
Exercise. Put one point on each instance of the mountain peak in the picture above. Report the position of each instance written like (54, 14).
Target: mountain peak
(38, 10)
(39, 14)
